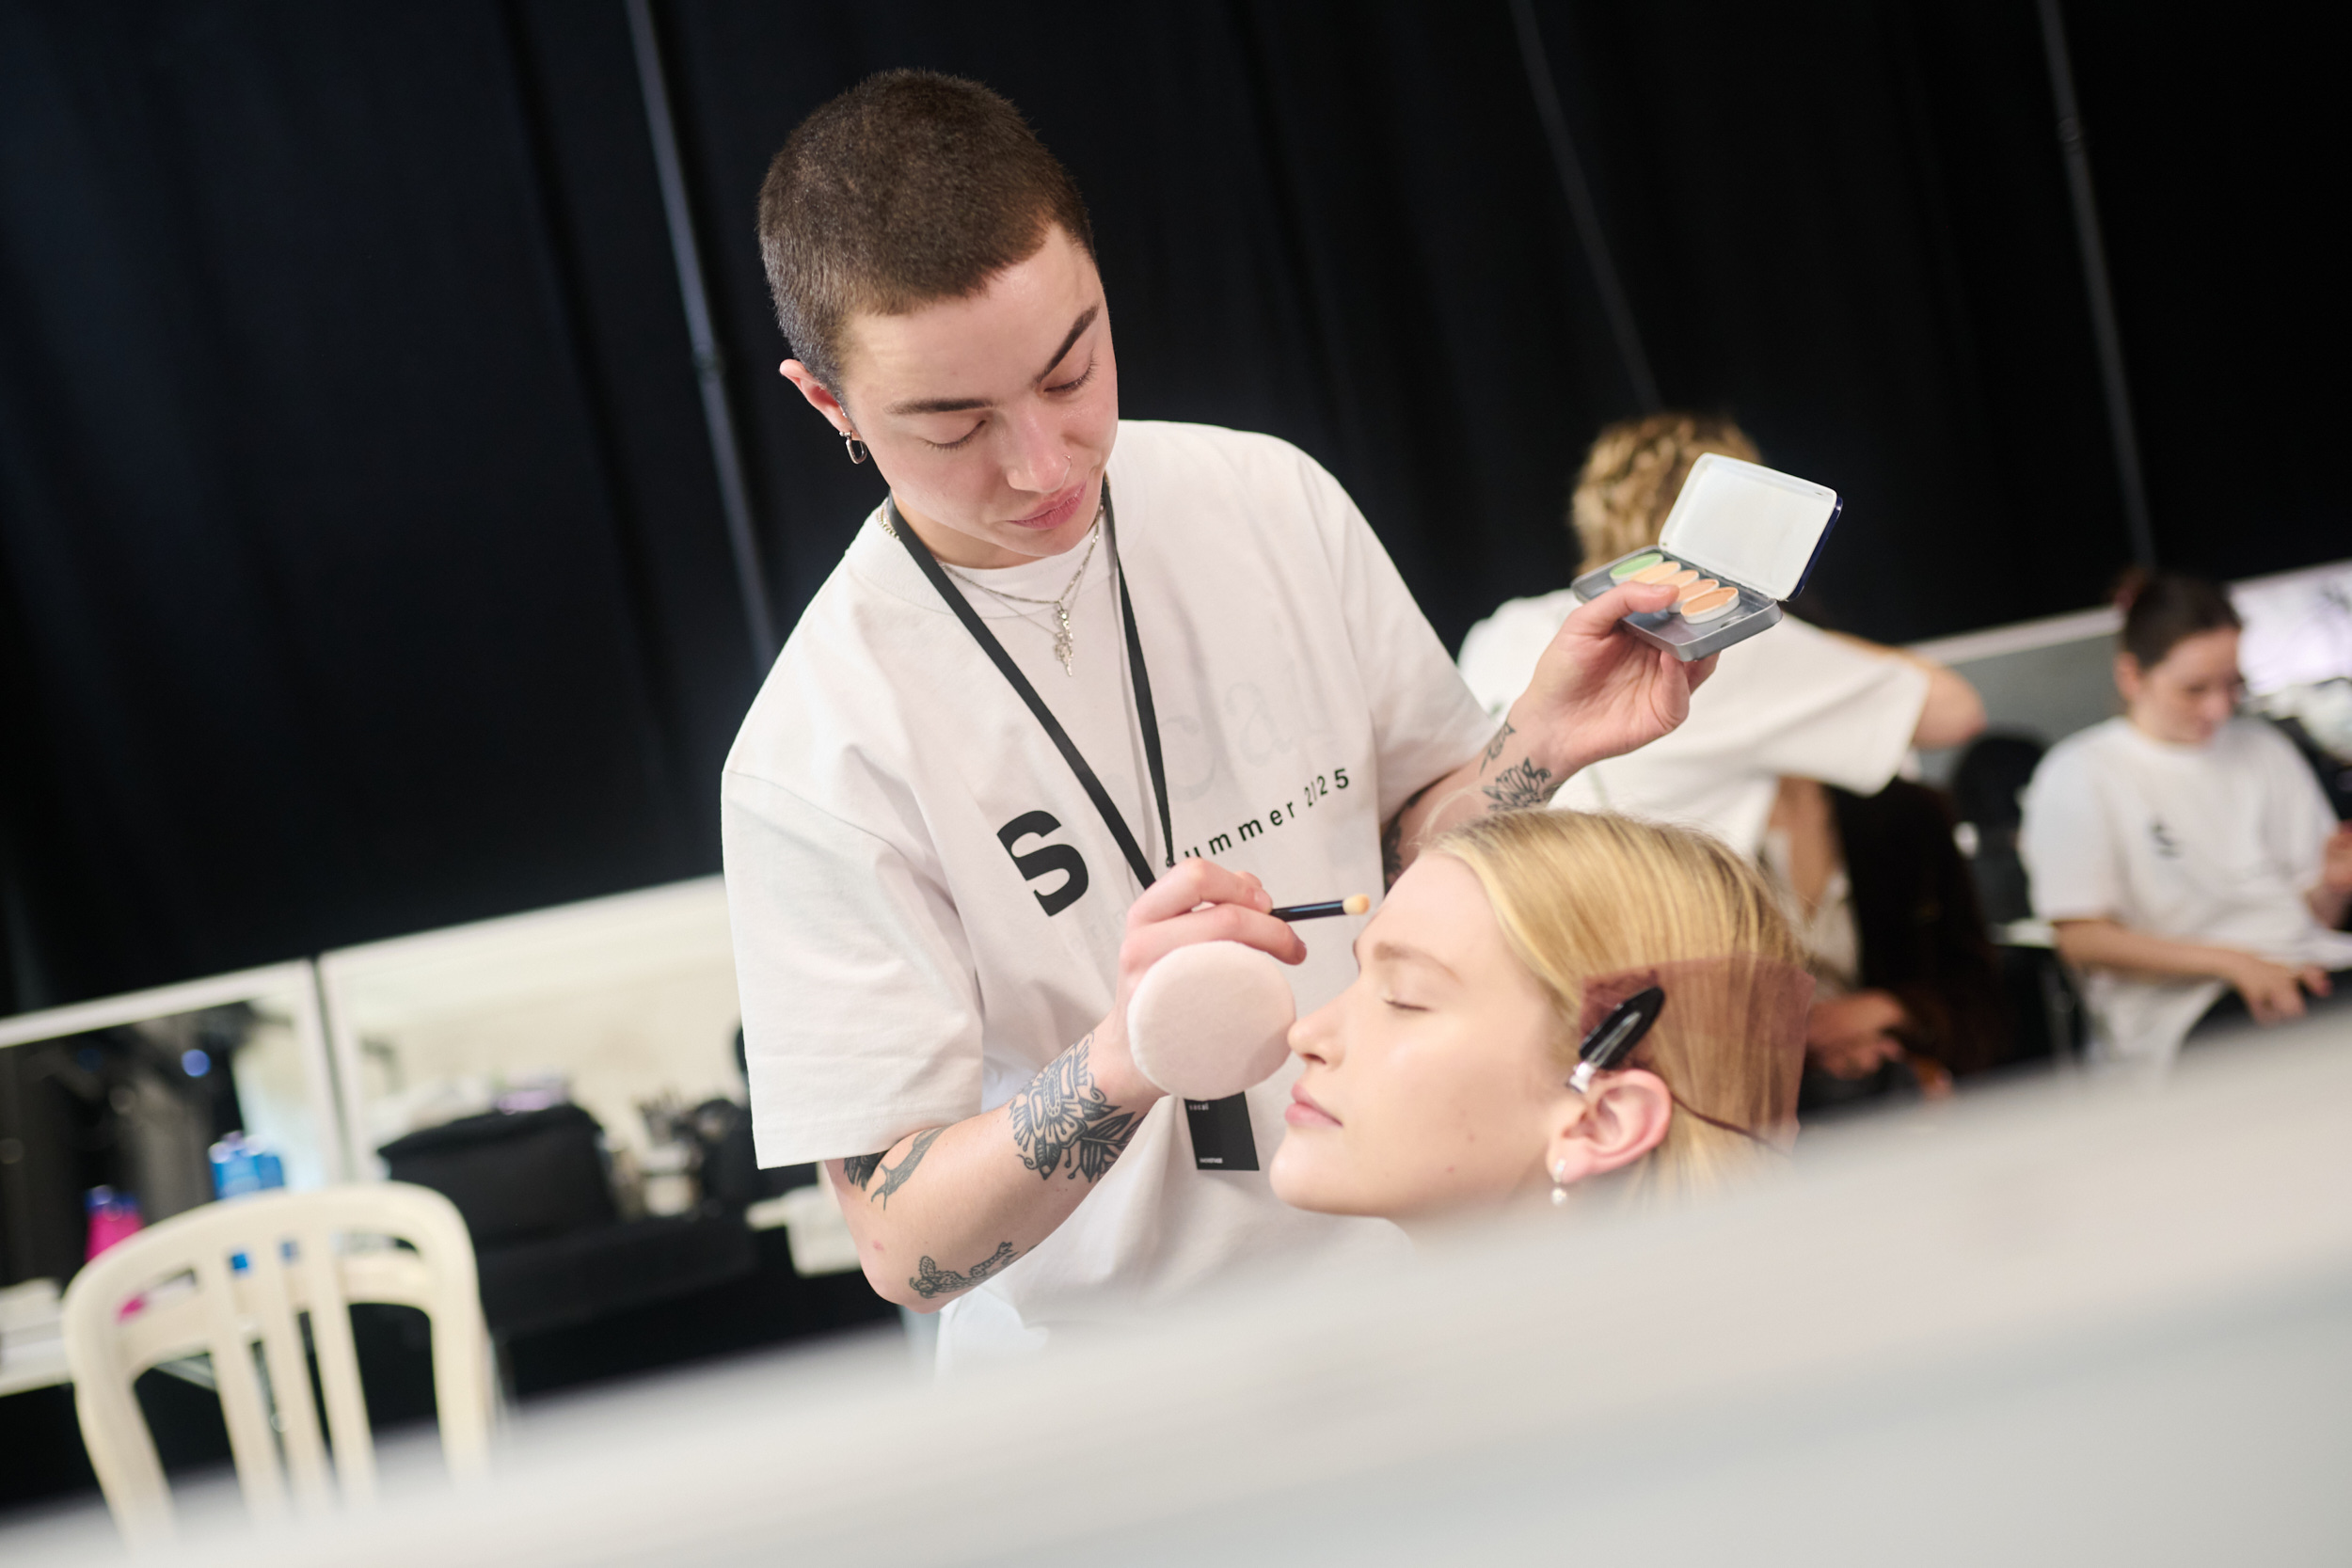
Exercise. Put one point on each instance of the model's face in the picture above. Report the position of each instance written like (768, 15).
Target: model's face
(1428, 1085)
(991, 417)
(2189, 693)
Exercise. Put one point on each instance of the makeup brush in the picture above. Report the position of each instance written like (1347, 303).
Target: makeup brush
(1355, 903)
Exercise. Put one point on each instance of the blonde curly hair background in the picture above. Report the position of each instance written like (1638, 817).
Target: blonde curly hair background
(1633, 473)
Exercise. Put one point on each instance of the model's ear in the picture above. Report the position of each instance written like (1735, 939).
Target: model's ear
(1620, 1119)
(819, 397)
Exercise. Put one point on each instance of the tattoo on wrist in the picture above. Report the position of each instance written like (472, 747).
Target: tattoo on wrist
(859, 1168)
(894, 1177)
(1494, 747)
(1522, 783)
(931, 1280)
(1062, 1121)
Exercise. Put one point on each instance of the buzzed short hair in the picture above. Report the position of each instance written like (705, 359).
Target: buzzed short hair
(909, 188)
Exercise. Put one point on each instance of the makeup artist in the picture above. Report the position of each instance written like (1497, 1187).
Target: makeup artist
(1079, 693)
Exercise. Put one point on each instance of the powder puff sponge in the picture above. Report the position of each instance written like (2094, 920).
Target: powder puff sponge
(1211, 1020)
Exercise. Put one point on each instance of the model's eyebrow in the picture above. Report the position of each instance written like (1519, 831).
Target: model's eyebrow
(966, 405)
(1397, 952)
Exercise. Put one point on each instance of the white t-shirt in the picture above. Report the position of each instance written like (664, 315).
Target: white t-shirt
(2211, 844)
(1793, 700)
(902, 968)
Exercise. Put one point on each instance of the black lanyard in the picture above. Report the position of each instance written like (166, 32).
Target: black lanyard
(1221, 1136)
(1148, 720)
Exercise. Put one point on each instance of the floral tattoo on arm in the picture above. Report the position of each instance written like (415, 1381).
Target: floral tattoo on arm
(1063, 1122)
(1523, 783)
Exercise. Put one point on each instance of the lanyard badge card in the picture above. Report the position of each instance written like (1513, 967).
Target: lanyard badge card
(1221, 1137)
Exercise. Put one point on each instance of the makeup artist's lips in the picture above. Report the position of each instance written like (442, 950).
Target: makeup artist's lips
(1058, 512)
(1303, 1112)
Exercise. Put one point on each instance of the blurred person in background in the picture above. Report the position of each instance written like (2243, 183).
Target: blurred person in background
(1792, 716)
(2186, 855)
(1908, 991)
(1437, 1084)
(1797, 701)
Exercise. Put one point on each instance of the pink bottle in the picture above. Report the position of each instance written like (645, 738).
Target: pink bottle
(113, 1216)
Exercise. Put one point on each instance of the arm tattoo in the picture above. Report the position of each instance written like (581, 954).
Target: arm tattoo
(1062, 1119)
(894, 1177)
(859, 1168)
(1522, 783)
(1494, 747)
(1393, 836)
(936, 1281)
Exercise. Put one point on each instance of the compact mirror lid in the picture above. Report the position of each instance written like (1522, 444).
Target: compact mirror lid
(1753, 524)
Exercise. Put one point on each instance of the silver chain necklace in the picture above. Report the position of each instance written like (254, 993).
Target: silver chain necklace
(1065, 646)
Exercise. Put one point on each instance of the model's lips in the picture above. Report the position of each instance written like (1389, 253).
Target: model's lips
(1303, 1112)
(1057, 512)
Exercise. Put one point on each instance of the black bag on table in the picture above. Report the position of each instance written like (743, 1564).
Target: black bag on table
(525, 1175)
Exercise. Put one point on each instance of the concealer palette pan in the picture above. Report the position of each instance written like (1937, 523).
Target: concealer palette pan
(1740, 540)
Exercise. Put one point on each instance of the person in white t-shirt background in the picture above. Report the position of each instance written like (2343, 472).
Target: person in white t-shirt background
(1083, 691)
(1788, 712)
(2186, 856)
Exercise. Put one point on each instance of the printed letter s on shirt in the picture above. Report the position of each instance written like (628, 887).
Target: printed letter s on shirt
(1045, 860)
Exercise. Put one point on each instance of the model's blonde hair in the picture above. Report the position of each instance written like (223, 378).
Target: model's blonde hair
(1585, 899)
(1634, 472)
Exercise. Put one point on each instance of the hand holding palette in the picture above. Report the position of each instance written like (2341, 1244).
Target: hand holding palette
(1740, 540)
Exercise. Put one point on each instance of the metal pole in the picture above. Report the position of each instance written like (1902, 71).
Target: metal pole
(725, 453)
(2121, 432)
(1580, 195)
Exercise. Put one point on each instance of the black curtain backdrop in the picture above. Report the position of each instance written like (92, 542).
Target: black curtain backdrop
(362, 567)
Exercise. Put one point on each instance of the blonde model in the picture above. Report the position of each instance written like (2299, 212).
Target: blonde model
(1441, 1082)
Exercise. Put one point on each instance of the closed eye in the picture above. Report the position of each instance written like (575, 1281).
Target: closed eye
(1403, 1006)
(1073, 384)
(964, 440)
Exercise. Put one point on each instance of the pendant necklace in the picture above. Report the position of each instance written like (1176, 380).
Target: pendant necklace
(1065, 646)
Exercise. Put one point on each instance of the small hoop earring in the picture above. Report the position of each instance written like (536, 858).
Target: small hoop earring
(1560, 1184)
(856, 448)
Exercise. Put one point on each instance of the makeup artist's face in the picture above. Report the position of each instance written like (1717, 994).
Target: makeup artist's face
(1428, 1085)
(2189, 693)
(992, 417)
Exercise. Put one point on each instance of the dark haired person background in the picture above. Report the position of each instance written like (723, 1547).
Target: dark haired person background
(1907, 989)
(1081, 692)
(2183, 853)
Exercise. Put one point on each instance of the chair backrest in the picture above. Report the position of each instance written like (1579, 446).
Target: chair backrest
(232, 1280)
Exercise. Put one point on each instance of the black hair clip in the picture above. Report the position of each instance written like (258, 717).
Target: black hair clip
(1614, 1038)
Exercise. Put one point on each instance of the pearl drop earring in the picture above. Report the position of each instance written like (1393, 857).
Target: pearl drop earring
(1559, 1183)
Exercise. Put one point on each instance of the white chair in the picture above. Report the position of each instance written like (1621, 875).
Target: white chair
(311, 1252)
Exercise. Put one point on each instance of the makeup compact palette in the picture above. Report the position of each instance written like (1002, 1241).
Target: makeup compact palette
(1740, 540)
